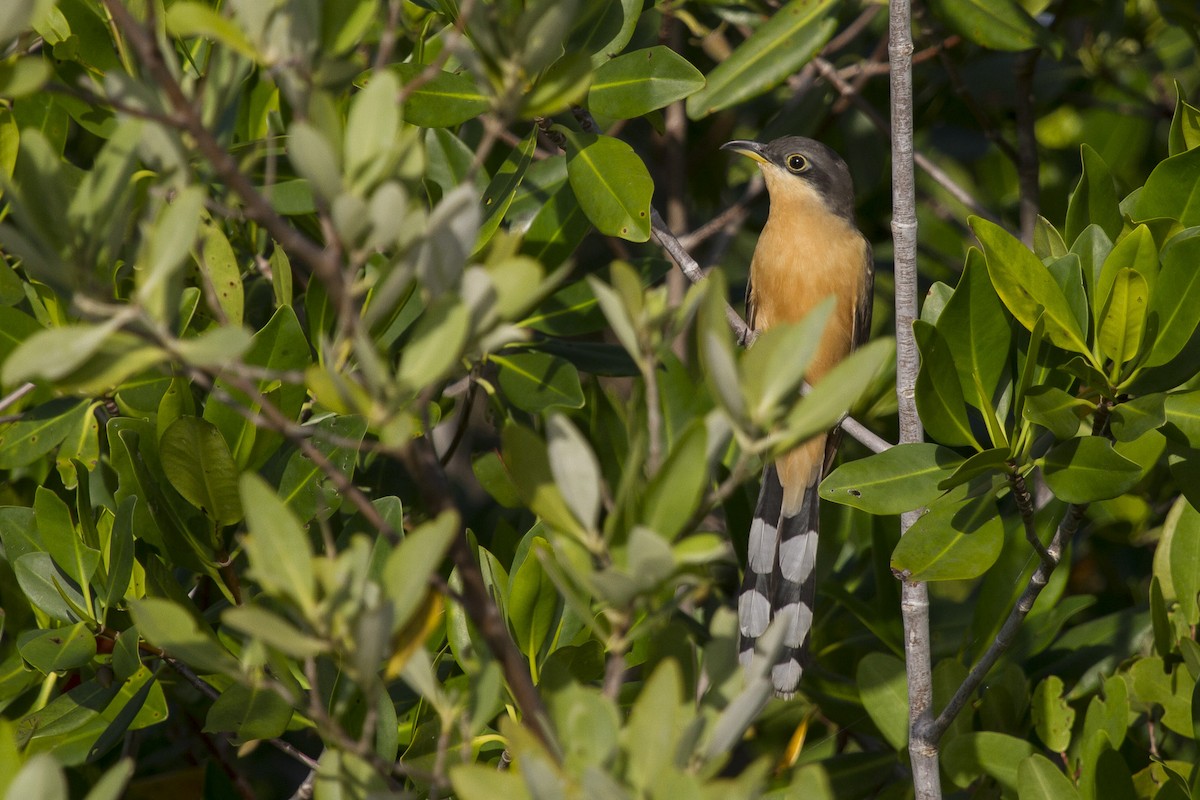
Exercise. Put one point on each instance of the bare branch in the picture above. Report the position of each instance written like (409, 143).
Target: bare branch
(914, 597)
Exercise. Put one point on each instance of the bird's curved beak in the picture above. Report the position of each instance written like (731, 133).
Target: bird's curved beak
(746, 147)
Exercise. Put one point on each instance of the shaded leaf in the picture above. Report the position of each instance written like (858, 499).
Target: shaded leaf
(1086, 469)
(776, 49)
(196, 460)
(959, 537)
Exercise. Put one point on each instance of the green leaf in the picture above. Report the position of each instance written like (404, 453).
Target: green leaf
(72, 345)
(959, 538)
(1039, 779)
(436, 344)
(1133, 418)
(1174, 313)
(1183, 418)
(1055, 410)
(977, 332)
(372, 126)
(24, 76)
(315, 158)
(407, 570)
(168, 625)
(1136, 251)
(249, 712)
(1123, 321)
(15, 327)
(120, 554)
(532, 601)
(939, 394)
(998, 755)
(199, 19)
(38, 431)
(1183, 557)
(1172, 190)
(837, 391)
(534, 381)
(220, 267)
(46, 588)
(1086, 469)
(777, 49)
(1185, 125)
(899, 479)
(1094, 201)
(995, 460)
(1047, 241)
(553, 235)
(883, 689)
(273, 630)
(498, 196)
(1053, 717)
(773, 368)
(994, 24)
(112, 784)
(216, 348)
(40, 777)
(563, 84)
(196, 460)
(642, 81)
(15, 17)
(280, 346)
(611, 183)
(280, 553)
(576, 470)
(675, 490)
(58, 649)
(1026, 286)
(305, 487)
(62, 539)
(171, 238)
(528, 466)
(439, 99)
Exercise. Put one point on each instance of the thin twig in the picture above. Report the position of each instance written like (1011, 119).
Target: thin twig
(1025, 508)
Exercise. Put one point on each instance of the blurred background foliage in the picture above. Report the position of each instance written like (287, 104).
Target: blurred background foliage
(358, 441)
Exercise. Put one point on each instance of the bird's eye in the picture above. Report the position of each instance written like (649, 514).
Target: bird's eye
(797, 162)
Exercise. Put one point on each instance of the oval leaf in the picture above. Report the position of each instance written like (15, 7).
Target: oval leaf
(959, 538)
(779, 47)
(637, 83)
(611, 183)
(197, 462)
(1086, 469)
(899, 479)
(1026, 286)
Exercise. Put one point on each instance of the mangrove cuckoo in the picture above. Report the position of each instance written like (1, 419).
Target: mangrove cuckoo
(809, 249)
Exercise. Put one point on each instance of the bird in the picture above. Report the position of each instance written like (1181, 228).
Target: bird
(809, 248)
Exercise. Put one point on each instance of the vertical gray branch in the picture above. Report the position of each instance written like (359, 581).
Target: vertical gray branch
(914, 602)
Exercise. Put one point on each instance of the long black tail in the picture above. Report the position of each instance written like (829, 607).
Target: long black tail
(780, 580)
